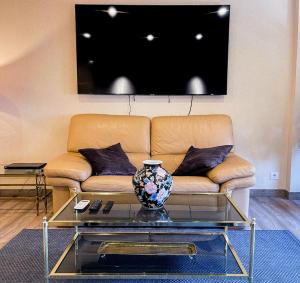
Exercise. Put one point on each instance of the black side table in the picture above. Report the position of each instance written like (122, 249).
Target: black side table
(40, 185)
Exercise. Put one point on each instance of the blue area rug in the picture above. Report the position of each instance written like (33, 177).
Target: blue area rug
(277, 257)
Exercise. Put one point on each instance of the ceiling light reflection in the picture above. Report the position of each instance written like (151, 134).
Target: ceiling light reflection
(196, 85)
(199, 36)
(86, 35)
(122, 85)
(222, 11)
(112, 11)
(150, 37)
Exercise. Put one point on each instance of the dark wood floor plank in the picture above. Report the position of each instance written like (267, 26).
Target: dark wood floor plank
(276, 213)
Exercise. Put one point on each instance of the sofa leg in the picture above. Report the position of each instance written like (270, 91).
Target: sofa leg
(60, 196)
(241, 197)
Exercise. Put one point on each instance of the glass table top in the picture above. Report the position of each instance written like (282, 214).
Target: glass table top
(180, 210)
(18, 172)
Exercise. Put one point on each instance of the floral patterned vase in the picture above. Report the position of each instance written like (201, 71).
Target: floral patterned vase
(152, 184)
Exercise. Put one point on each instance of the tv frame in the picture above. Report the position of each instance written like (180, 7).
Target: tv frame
(227, 6)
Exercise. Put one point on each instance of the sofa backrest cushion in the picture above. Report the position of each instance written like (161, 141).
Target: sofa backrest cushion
(170, 161)
(175, 134)
(101, 131)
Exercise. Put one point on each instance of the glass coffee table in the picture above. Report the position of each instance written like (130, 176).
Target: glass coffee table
(188, 238)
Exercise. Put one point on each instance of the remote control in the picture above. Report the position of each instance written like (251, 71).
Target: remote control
(83, 204)
(95, 205)
(108, 207)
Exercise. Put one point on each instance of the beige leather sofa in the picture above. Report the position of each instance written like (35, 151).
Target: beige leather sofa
(164, 138)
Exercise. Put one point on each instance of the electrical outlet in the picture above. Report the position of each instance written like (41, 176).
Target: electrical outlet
(274, 175)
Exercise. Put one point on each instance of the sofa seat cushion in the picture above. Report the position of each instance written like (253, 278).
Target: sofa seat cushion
(193, 184)
(107, 184)
(181, 184)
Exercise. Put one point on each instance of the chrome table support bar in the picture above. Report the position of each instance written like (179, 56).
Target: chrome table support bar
(45, 249)
(252, 246)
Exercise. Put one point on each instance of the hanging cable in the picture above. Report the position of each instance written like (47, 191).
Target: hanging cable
(129, 104)
(191, 105)
(169, 100)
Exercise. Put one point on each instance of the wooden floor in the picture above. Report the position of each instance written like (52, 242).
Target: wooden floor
(18, 214)
(270, 213)
(276, 214)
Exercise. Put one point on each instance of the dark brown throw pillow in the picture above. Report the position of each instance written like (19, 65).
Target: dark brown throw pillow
(198, 161)
(108, 161)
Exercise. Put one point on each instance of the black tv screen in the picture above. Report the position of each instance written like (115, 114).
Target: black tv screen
(152, 49)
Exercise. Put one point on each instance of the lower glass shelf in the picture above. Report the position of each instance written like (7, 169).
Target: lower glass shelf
(213, 255)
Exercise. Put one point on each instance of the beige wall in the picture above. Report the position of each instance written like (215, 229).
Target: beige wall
(38, 82)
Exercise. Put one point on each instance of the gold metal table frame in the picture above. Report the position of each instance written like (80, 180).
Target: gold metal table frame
(202, 225)
(40, 185)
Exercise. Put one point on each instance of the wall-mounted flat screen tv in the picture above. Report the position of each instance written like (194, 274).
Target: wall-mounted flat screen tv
(152, 49)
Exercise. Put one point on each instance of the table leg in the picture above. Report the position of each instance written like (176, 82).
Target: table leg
(37, 200)
(226, 244)
(45, 249)
(77, 258)
(252, 246)
(226, 227)
(41, 191)
(45, 194)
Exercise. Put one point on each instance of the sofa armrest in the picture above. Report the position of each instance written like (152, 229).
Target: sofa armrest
(238, 183)
(233, 167)
(69, 165)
